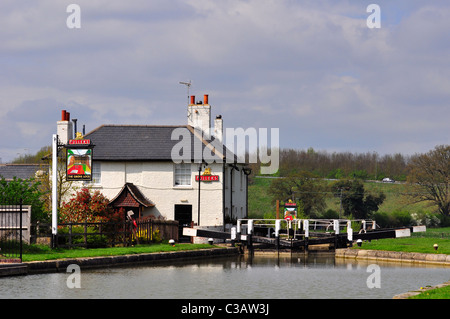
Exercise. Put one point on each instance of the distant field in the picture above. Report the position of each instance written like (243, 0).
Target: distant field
(260, 200)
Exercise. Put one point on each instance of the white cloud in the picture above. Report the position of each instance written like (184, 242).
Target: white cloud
(311, 68)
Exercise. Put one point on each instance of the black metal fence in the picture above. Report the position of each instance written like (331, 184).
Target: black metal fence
(11, 232)
(92, 235)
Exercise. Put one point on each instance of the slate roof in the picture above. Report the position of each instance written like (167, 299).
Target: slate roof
(141, 142)
(22, 171)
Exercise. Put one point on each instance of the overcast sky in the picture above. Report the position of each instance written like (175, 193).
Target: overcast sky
(313, 69)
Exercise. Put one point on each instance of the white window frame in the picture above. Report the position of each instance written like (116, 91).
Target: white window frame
(182, 175)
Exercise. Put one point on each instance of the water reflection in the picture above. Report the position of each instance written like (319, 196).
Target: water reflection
(261, 276)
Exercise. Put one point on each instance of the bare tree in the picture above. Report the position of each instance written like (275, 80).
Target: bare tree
(64, 187)
(429, 176)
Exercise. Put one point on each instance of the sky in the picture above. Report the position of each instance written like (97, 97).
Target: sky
(313, 69)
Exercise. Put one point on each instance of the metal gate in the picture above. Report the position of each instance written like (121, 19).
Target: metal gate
(11, 233)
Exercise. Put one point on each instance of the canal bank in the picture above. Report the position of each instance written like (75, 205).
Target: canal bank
(394, 256)
(261, 276)
(412, 293)
(60, 265)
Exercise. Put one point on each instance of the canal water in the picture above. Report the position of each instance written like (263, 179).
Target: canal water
(239, 277)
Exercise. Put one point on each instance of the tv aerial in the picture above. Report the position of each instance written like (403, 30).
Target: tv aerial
(188, 86)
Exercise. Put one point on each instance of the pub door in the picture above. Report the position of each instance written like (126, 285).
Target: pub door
(183, 213)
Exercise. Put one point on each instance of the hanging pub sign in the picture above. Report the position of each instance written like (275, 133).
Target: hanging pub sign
(207, 176)
(290, 210)
(79, 160)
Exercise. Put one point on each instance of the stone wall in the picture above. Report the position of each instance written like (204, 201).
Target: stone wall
(381, 255)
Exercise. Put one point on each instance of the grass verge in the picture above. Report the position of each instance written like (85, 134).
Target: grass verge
(437, 293)
(417, 243)
(39, 253)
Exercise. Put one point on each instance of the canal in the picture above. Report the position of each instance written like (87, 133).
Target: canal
(257, 277)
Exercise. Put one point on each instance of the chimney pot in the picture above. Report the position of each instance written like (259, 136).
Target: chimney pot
(205, 99)
(63, 115)
(192, 99)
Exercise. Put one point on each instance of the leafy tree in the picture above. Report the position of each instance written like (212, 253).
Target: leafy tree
(355, 201)
(27, 190)
(429, 176)
(303, 188)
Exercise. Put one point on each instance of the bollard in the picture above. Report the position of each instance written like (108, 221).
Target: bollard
(306, 227)
(336, 226)
(349, 231)
(277, 227)
(250, 227)
(277, 232)
(250, 233)
(306, 230)
(233, 236)
(238, 231)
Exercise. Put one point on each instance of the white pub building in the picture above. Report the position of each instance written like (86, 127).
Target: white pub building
(162, 171)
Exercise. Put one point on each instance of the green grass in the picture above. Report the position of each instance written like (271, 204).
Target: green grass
(39, 252)
(418, 242)
(438, 293)
(259, 200)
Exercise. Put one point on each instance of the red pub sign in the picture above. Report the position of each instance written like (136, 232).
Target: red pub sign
(207, 178)
(79, 142)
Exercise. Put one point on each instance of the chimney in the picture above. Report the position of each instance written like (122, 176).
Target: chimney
(218, 128)
(75, 127)
(199, 116)
(64, 128)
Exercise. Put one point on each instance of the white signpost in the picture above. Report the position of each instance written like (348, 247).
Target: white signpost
(54, 187)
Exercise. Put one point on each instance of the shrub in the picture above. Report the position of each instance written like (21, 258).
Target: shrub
(426, 218)
(401, 218)
(156, 236)
(330, 214)
(87, 207)
(397, 218)
(382, 219)
(78, 236)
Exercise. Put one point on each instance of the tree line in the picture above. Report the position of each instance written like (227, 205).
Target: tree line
(427, 177)
(366, 166)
